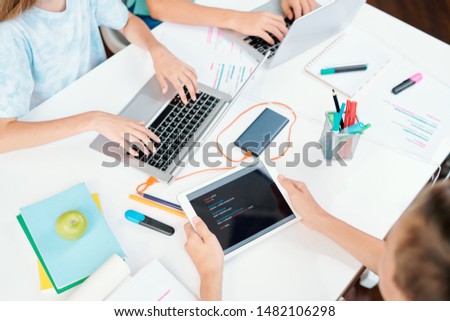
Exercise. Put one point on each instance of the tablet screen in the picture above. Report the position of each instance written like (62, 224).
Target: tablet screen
(241, 207)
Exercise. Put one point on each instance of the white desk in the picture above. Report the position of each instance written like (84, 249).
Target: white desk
(296, 264)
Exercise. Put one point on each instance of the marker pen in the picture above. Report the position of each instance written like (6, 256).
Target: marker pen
(341, 115)
(336, 103)
(148, 222)
(357, 128)
(407, 83)
(335, 70)
(336, 122)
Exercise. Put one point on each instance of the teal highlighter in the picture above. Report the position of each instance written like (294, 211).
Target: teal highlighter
(148, 222)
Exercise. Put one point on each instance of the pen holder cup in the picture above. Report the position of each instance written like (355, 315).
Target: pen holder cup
(337, 145)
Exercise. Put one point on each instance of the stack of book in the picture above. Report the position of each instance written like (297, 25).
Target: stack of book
(68, 263)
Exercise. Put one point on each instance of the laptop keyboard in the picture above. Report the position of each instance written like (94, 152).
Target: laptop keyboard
(175, 126)
(262, 46)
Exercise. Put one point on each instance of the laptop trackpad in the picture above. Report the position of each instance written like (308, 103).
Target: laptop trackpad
(143, 108)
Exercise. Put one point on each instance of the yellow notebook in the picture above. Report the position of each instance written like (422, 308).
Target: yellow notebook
(43, 277)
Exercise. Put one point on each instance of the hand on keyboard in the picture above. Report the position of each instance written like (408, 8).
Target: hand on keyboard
(260, 24)
(126, 132)
(294, 9)
(169, 68)
(175, 126)
(263, 46)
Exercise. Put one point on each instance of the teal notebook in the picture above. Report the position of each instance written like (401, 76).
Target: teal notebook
(68, 263)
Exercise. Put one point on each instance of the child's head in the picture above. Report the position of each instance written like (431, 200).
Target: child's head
(9, 9)
(416, 263)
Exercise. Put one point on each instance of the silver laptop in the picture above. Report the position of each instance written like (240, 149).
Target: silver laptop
(304, 33)
(178, 126)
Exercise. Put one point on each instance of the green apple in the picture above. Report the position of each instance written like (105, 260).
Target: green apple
(71, 225)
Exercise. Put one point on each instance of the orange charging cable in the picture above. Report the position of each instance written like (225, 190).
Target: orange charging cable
(152, 180)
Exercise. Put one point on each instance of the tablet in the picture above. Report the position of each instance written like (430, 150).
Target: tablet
(241, 207)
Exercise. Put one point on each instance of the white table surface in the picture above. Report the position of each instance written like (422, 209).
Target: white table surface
(295, 264)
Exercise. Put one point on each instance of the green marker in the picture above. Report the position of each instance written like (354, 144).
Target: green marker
(335, 70)
(331, 118)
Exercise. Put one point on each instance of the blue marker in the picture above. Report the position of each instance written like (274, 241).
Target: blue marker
(336, 122)
(341, 114)
(357, 128)
(148, 222)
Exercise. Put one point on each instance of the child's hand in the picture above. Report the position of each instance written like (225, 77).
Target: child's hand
(170, 68)
(207, 255)
(294, 9)
(125, 132)
(203, 248)
(260, 24)
(304, 203)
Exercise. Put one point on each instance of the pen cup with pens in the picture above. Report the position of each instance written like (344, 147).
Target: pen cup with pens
(341, 132)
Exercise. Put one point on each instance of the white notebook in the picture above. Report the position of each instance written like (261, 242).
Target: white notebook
(112, 282)
(348, 50)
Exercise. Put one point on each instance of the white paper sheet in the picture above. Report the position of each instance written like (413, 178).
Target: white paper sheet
(112, 282)
(416, 121)
(103, 281)
(153, 283)
(218, 61)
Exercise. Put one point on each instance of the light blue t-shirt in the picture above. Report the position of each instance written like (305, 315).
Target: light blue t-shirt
(42, 52)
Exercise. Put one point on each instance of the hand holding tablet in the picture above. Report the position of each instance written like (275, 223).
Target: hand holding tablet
(241, 207)
(207, 256)
(312, 214)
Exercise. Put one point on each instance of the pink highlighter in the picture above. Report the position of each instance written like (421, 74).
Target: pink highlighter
(407, 83)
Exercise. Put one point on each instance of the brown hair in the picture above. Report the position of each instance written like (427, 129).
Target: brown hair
(422, 256)
(9, 9)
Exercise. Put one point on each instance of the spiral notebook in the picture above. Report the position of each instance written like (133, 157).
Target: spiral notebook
(348, 49)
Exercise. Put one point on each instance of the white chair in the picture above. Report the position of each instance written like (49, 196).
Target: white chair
(113, 39)
(368, 279)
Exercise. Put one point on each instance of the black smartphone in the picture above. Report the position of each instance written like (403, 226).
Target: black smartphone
(261, 132)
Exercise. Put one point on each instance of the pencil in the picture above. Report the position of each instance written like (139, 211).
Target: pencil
(157, 205)
(162, 202)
